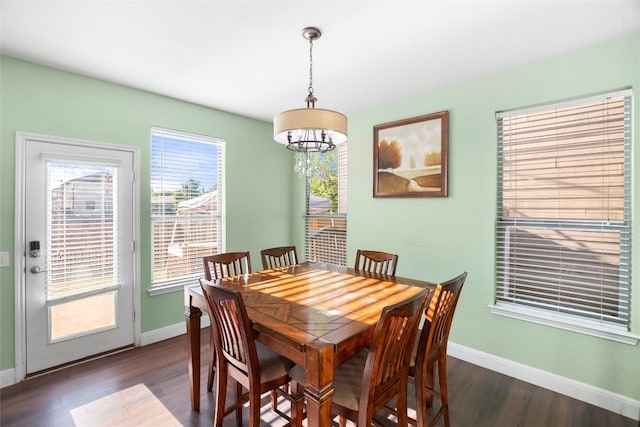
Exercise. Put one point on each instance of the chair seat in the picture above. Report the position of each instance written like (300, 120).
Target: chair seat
(347, 380)
(272, 365)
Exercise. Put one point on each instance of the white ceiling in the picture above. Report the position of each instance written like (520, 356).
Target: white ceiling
(249, 57)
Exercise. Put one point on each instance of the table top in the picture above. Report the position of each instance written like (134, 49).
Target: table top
(319, 304)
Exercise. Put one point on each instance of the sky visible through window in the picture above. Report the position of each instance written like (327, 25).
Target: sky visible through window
(175, 160)
(59, 172)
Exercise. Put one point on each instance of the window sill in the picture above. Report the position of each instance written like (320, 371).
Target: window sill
(167, 288)
(586, 327)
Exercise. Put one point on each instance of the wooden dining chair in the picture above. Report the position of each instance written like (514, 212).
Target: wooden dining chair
(251, 365)
(282, 256)
(364, 383)
(430, 352)
(220, 266)
(226, 264)
(376, 262)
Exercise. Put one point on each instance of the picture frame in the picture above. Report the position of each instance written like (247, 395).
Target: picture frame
(410, 157)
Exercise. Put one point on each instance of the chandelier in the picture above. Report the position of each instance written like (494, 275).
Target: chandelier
(309, 130)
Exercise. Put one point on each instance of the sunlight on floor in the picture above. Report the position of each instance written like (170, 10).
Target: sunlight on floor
(134, 406)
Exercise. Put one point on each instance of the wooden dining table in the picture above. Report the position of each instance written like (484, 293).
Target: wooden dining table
(315, 314)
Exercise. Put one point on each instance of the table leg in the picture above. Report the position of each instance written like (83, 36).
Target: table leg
(319, 388)
(192, 316)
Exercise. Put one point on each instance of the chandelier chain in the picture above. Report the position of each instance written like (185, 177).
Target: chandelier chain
(311, 99)
(310, 65)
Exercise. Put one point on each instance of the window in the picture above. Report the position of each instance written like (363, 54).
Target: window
(187, 195)
(564, 215)
(326, 219)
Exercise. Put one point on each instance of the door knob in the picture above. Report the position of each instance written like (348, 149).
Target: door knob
(36, 270)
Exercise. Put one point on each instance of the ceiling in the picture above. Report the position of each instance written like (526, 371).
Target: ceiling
(249, 57)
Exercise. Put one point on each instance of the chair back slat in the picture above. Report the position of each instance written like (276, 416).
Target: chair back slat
(279, 257)
(376, 262)
(227, 264)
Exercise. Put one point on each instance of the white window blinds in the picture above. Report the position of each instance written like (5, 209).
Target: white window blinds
(326, 219)
(187, 194)
(564, 222)
(82, 230)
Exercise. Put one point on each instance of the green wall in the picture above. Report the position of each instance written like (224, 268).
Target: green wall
(46, 101)
(438, 238)
(435, 238)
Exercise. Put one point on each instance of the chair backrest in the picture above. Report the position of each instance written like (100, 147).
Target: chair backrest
(439, 315)
(389, 357)
(376, 262)
(282, 256)
(233, 336)
(227, 264)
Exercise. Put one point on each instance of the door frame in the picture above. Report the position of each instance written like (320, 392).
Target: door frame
(22, 139)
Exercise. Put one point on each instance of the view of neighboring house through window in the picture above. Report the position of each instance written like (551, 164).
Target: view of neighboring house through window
(564, 212)
(187, 194)
(326, 220)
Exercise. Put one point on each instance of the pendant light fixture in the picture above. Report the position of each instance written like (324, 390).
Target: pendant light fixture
(309, 130)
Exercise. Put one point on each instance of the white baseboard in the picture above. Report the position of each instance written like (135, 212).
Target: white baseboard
(605, 399)
(7, 377)
(170, 331)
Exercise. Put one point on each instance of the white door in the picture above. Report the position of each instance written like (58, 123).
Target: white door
(79, 251)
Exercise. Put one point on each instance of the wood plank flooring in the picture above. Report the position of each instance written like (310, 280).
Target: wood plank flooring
(478, 397)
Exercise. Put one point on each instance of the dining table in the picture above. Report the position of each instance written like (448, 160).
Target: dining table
(316, 314)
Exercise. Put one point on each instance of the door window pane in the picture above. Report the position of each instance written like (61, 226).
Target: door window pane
(80, 265)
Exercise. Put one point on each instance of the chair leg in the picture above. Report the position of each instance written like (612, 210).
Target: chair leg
(254, 408)
(430, 383)
(421, 398)
(297, 404)
(221, 395)
(444, 393)
(401, 405)
(274, 396)
(238, 393)
(212, 366)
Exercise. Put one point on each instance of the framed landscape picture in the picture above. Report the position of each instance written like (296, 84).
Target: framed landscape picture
(410, 157)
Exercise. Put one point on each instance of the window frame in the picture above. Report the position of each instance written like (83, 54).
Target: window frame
(557, 318)
(178, 283)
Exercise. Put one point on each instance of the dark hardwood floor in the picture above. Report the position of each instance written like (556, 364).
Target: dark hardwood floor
(478, 397)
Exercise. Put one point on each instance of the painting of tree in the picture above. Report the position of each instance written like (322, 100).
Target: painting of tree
(410, 157)
(432, 159)
(389, 155)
